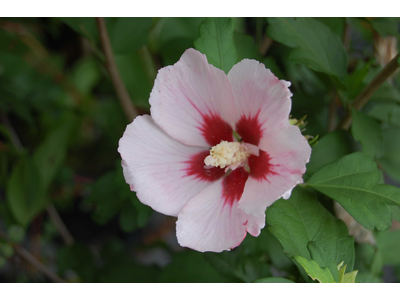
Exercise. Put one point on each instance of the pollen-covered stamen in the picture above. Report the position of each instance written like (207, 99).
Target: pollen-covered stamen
(230, 155)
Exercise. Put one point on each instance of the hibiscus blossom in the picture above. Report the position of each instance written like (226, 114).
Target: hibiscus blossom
(216, 151)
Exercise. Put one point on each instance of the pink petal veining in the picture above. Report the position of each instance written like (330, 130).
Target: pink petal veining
(195, 106)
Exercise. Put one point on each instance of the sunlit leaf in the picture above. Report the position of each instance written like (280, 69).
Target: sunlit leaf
(323, 275)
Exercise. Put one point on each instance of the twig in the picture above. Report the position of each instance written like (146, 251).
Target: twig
(25, 254)
(332, 113)
(38, 265)
(62, 229)
(346, 36)
(265, 44)
(370, 89)
(119, 86)
(14, 137)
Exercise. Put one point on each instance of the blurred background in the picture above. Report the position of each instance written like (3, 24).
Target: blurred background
(66, 213)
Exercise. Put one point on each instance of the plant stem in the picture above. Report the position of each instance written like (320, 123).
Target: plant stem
(265, 44)
(26, 255)
(13, 135)
(116, 79)
(332, 112)
(62, 229)
(369, 90)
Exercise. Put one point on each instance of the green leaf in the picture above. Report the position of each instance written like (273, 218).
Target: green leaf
(25, 191)
(390, 161)
(246, 47)
(395, 213)
(6, 249)
(388, 243)
(3, 262)
(169, 29)
(337, 25)
(49, 156)
(386, 93)
(368, 132)
(16, 233)
(350, 277)
(102, 191)
(385, 26)
(217, 43)
(273, 280)
(127, 220)
(365, 277)
(322, 258)
(388, 193)
(173, 50)
(85, 74)
(386, 112)
(142, 212)
(342, 270)
(274, 250)
(330, 148)
(350, 181)
(302, 219)
(323, 275)
(315, 44)
(355, 82)
(271, 64)
(128, 34)
(136, 76)
(346, 278)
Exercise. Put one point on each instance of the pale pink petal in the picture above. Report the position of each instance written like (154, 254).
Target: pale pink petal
(261, 99)
(274, 173)
(286, 195)
(192, 101)
(209, 223)
(156, 167)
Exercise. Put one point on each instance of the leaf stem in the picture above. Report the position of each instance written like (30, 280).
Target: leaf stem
(369, 90)
(116, 79)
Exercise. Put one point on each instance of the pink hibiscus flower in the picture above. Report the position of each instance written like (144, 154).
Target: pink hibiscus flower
(216, 151)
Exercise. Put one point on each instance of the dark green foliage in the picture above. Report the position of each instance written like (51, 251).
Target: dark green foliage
(61, 121)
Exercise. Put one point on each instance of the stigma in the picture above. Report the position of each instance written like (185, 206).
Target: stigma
(229, 155)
